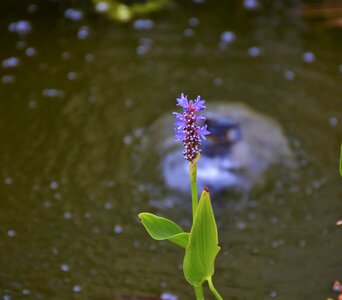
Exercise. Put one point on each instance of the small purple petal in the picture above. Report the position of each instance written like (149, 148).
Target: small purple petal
(183, 101)
(202, 131)
(200, 118)
(199, 104)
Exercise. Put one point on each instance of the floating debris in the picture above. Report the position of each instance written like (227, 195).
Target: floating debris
(308, 57)
(7, 79)
(228, 37)
(11, 233)
(11, 62)
(73, 14)
(21, 27)
(250, 4)
(188, 32)
(8, 180)
(168, 296)
(193, 22)
(77, 288)
(333, 121)
(54, 185)
(67, 215)
(52, 93)
(339, 222)
(143, 24)
(83, 32)
(25, 291)
(289, 75)
(65, 267)
(30, 51)
(254, 51)
(101, 7)
(117, 229)
(72, 76)
(144, 47)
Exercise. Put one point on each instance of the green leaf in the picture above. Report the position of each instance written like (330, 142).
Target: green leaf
(203, 246)
(164, 229)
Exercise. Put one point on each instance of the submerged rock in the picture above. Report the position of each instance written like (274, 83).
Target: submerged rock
(239, 154)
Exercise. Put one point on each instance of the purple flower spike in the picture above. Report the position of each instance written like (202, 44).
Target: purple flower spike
(186, 127)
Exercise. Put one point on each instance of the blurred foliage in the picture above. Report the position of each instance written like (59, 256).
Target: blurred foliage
(124, 11)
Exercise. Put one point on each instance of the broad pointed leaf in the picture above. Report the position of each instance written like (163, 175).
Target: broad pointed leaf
(203, 246)
(164, 229)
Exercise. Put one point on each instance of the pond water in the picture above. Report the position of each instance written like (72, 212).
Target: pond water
(77, 97)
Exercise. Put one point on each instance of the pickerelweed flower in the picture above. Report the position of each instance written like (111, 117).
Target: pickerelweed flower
(187, 129)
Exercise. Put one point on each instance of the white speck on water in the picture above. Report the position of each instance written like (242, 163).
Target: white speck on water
(102, 6)
(333, 121)
(217, 81)
(228, 37)
(117, 229)
(6, 297)
(96, 230)
(138, 132)
(254, 51)
(65, 55)
(65, 267)
(168, 296)
(198, 1)
(289, 75)
(32, 104)
(302, 243)
(273, 294)
(83, 32)
(89, 57)
(7, 79)
(250, 4)
(87, 215)
(274, 220)
(8, 180)
(72, 75)
(26, 291)
(340, 68)
(127, 140)
(52, 93)
(47, 204)
(188, 32)
(21, 27)
(30, 51)
(144, 46)
(77, 288)
(67, 215)
(193, 22)
(108, 205)
(11, 62)
(128, 103)
(308, 57)
(54, 185)
(73, 14)
(55, 250)
(241, 225)
(11, 233)
(143, 24)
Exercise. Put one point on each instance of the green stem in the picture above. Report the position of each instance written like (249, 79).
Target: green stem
(213, 290)
(199, 292)
(194, 197)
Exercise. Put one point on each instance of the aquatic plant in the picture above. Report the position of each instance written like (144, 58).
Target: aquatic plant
(201, 243)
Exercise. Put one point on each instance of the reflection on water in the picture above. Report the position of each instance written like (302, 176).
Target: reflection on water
(78, 97)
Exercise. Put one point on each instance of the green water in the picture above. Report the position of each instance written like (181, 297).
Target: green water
(70, 188)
